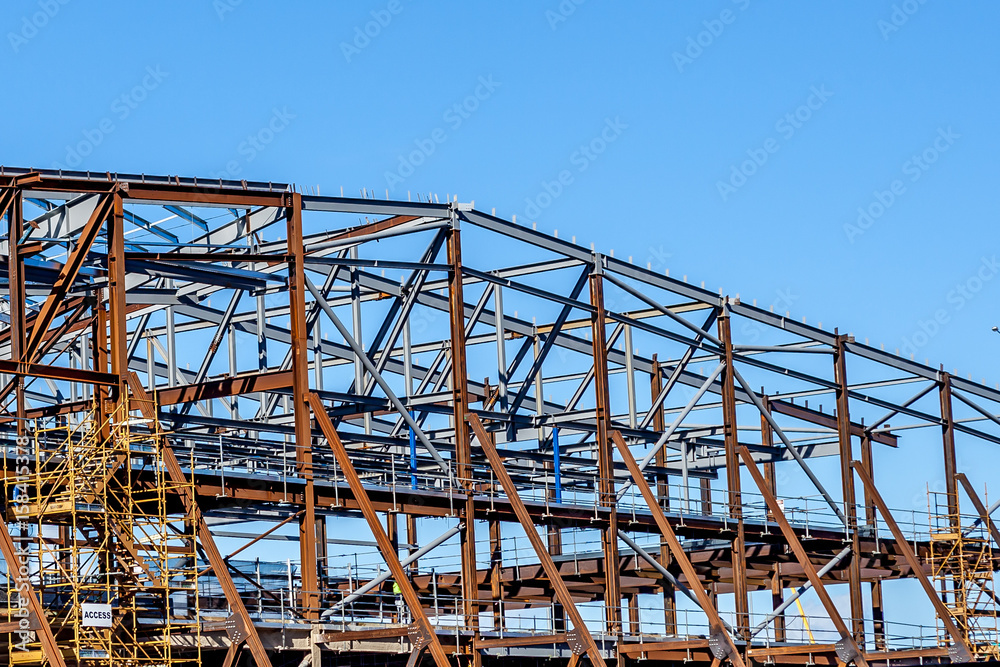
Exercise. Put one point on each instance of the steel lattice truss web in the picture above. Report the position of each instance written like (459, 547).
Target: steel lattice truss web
(209, 297)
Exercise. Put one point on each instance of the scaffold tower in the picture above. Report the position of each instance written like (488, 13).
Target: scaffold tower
(109, 550)
(962, 565)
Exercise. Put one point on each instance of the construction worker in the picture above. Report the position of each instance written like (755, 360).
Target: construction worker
(400, 605)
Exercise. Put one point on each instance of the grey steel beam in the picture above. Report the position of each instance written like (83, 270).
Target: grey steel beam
(709, 381)
(377, 581)
(370, 367)
(788, 445)
(664, 572)
(823, 571)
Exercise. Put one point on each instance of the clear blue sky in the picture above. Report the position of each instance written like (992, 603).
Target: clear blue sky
(346, 115)
(888, 107)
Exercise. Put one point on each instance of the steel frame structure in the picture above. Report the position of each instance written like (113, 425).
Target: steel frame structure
(494, 380)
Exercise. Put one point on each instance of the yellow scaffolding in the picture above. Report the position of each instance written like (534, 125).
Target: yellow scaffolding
(961, 560)
(108, 547)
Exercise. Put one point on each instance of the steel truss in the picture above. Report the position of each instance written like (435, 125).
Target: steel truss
(302, 358)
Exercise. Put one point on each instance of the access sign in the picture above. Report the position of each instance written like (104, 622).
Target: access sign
(96, 615)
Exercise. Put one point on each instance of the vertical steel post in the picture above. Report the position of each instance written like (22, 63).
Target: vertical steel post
(496, 573)
(733, 480)
(116, 293)
(847, 645)
(948, 441)
(630, 376)
(15, 277)
(317, 340)
(878, 614)
(777, 589)
(663, 496)
(950, 464)
(413, 455)
(171, 342)
(850, 497)
(411, 540)
(556, 466)
(389, 555)
(605, 464)
(309, 599)
(463, 445)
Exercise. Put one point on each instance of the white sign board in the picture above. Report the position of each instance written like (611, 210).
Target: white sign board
(96, 615)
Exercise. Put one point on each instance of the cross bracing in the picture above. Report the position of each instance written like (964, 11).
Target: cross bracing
(312, 357)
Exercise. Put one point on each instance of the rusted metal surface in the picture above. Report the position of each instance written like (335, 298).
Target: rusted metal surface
(205, 537)
(852, 651)
(389, 555)
(844, 435)
(87, 311)
(714, 620)
(605, 467)
(733, 485)
(555, 580)
(943, 615)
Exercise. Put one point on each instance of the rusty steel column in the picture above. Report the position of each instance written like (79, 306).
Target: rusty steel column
(411, 540)
(705, 485)
(605, 464)
(496, 573)
(878, 614)
(309, 599)
(190, 502)
(422, 624)
(962, 651)
(463, 444)
(705, 600)
(850, 497)
(950, 464)
(118, 349)
(948, 441)
(771, 479)
(733, 481)
(99, 358)
(847, 643)
(550, 568)
(15, 275)
(663, 494)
